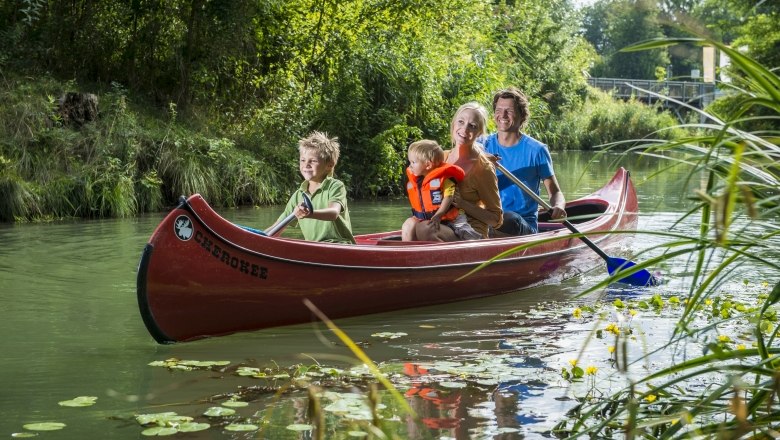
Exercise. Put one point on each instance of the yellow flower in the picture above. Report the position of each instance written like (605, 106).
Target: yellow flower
(591, 370)
(611, 348)
(577, 313)
(613, 328)
(650, 398)
(741, 347)
(708, 301)
(573, 362)
(632, 312)
(723, 338)
(764, 283)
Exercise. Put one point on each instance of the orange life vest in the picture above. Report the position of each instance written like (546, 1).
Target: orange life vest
(427, 198)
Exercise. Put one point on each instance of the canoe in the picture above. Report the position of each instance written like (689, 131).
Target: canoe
(201, 275)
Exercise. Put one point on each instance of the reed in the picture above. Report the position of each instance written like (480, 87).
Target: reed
(734, 153)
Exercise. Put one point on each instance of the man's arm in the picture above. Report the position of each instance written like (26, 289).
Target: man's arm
(557, 200)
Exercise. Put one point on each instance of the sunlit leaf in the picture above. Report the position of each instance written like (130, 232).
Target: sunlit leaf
(389, 335)
(300, 427)
(453, 384)
(235, 404)
(45, 426)
(79, 401)
(160, 431)
(24, 434)
(218, 411)
(193, 427)
(240, 427)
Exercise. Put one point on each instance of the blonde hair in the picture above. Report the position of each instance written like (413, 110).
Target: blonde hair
(327, 148)
(427, 150)
(482, 116)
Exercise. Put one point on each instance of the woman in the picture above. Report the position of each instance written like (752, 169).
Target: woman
(477, 193)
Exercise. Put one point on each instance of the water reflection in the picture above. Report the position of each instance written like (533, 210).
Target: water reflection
(71, 327)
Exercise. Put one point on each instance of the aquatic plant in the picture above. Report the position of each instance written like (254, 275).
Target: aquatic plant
(728, 390)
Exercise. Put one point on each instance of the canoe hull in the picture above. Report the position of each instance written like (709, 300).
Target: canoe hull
(201, 275)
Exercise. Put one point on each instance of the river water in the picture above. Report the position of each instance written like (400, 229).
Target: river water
(70, 327)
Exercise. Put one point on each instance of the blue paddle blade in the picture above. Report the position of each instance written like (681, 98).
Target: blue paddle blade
(640, 278)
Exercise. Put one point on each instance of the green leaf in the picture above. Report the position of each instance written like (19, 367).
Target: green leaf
(300, 427)
(218, 411)
(193, 427)
(241, 427)
(45, 426)
(79, 401)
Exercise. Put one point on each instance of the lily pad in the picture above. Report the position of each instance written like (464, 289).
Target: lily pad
(235, 404)
(45, 426)
(159, 431)
(453, 384)
(79, 401)
(389, 335)
(241, 427)
(193, 427)
(218, 411)
(300, 427)
(162, 419)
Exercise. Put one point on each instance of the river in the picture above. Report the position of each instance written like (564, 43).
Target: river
(70, 327)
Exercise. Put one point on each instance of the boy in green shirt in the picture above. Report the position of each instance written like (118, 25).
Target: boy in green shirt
(329, 220)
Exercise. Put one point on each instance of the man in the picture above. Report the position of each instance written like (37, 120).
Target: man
(525, 157)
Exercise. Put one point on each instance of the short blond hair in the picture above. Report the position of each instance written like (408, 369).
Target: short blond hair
(327, 148)
(427, 150)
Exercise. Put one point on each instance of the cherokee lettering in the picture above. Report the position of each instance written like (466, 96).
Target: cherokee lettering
(224, 256)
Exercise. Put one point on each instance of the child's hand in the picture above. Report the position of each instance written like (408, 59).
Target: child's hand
(301, 211)
(435, 223)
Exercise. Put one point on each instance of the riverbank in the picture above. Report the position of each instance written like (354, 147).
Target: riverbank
(131, 157)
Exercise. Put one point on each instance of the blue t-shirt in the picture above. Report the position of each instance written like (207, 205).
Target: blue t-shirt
(530, 161)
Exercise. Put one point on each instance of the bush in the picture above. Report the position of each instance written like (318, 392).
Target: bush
(603, 120)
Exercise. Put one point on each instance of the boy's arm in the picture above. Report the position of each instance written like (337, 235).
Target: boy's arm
(446, 203)
(329, 214)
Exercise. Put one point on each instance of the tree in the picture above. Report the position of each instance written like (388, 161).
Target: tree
(611, 25)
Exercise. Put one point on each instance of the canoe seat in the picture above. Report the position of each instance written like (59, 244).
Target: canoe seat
(545, 226)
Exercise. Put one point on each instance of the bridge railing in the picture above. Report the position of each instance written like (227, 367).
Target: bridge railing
(686, 91)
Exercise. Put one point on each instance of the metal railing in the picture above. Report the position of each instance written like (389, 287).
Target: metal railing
(695, 93)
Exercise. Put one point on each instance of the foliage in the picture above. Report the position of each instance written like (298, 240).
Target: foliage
(614, 24)
(124, 163)
(736, 205)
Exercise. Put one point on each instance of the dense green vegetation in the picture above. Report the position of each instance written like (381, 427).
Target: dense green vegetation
(210, 96)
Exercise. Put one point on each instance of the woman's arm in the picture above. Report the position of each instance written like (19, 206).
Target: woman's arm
(486, 183)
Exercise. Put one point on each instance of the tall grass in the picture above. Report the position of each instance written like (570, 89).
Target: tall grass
(737, 389)
(130, 160)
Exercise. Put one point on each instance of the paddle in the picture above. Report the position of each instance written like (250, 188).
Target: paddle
(275, 229)
(614, 264)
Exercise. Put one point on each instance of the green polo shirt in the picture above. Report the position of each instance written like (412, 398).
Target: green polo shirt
(337, 231)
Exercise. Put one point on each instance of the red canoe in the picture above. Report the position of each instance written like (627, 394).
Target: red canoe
(201, 275)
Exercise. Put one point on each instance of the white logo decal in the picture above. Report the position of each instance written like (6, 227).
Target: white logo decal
(183, 227)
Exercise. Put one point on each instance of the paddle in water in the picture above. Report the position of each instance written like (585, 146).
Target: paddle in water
(275, 229)
(614, 264)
